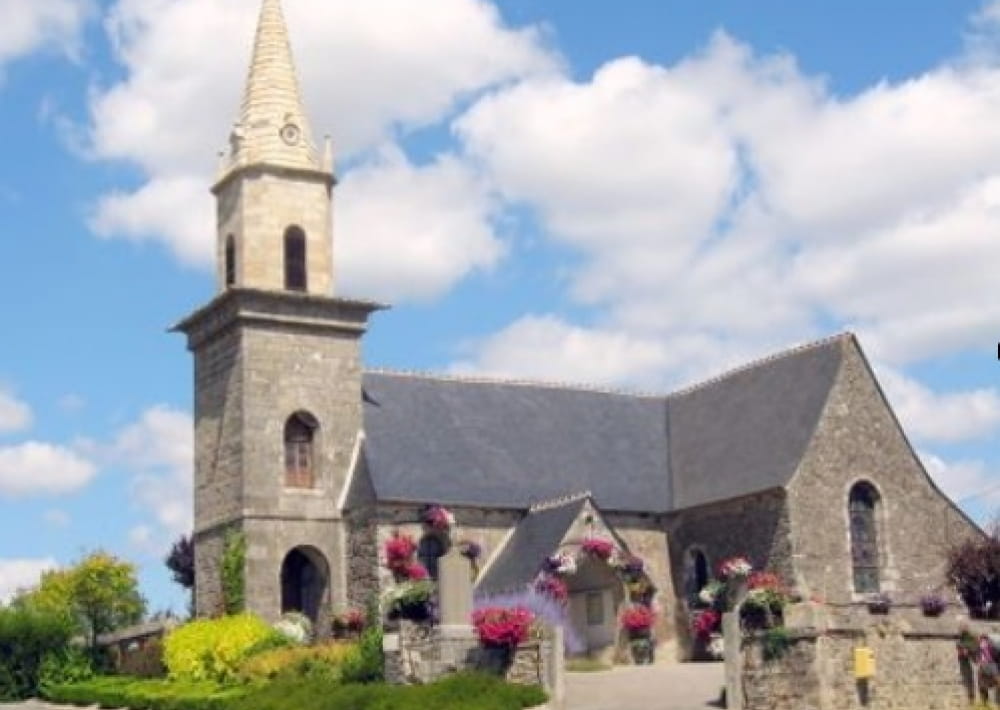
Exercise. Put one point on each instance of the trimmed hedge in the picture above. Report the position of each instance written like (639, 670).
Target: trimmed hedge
(135, 694)
(465, 691)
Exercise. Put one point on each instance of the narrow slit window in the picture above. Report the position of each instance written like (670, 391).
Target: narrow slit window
(295, 259)
(230, 259)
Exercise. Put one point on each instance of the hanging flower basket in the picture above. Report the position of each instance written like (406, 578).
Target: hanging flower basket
(598, 547)
(879, 603)
(933, 604)
(438, 518)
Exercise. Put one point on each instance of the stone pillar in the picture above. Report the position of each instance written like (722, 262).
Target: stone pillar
(454, 590)
(733, 636)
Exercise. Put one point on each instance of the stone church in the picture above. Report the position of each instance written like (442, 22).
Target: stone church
(796, 461)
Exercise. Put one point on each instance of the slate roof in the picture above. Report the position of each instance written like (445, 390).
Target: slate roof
(536, 537)
(509, 445)
(504, 444)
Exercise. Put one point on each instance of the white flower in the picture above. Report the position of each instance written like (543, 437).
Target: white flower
(291, 630)
(707, 595)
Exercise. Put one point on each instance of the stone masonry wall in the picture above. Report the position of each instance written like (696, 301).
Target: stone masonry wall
(756, 527)
(644, 535)
(859, 439)
(916, 667)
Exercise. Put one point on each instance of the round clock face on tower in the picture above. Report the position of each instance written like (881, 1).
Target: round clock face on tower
(290, 133)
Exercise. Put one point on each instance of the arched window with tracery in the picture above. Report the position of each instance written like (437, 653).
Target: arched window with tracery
(230, 261)
(295, 259)
(862, 506)
(300, 458)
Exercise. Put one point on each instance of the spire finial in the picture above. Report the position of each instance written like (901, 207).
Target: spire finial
(273, 128)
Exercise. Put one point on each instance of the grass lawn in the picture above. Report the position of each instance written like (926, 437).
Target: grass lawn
(465, 691)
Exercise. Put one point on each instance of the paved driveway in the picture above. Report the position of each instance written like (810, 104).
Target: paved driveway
(679, 686)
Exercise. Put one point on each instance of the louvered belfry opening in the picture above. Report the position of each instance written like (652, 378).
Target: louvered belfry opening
(295, 259)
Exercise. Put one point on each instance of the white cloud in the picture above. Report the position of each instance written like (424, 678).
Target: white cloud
(965, 482)
(41, 24)
(18, 574)
(732, 199)
(158, 452)
(941, 417)
(57, 518)
(37, 468)
(71, 403)
(171, 112)
(434, 220)
(571, 353)
(15, 415)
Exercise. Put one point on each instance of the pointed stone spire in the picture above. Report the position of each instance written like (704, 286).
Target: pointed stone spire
(273, 128)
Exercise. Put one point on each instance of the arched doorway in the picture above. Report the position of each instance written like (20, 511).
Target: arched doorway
(595, 596)
(305, 582)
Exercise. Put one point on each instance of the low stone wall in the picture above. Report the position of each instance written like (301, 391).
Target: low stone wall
(916, 666)
(420, 653)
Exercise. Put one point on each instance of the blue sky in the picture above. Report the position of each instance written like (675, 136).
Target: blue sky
(639, 194)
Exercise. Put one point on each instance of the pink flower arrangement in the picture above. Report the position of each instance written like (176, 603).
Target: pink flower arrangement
(497, 626)
(552, 587)
(351, 621)
(415, 572)
(637, 619)
(439, 518)
(598, 547)
(735, 568)
(706, 623)
(399, 551)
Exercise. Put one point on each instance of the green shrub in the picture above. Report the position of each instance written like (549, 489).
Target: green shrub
(212, 649)
(234, 553)
(366, 663)
(27, 636)
(466, 691)
(324, 660)
(67, 665)
(121, 691)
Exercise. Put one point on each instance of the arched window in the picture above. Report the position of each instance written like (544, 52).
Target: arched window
(230, 261)
(300, 432)
(695, 572)
(295, 259)
(862, 507)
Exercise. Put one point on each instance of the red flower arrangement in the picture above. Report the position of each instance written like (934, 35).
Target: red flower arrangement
(706, 623)
(637, 619)
(399, 551)
(598, 547)
(553, 587)
(500, 627)
(415, 572)
(765, 580)
(351, 621)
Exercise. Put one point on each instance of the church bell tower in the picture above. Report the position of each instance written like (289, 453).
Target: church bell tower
(277, 361)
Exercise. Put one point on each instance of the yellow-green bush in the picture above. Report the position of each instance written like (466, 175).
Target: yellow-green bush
(324, 660)
(212, 649)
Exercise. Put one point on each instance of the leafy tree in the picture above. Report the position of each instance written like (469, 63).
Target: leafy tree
(180, 561)
(100, 593)
(974, 571)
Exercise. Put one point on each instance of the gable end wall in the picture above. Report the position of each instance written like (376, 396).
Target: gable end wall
(858, 438)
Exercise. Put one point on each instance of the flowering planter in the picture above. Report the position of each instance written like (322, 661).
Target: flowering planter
(643, 650)
(496, 659)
